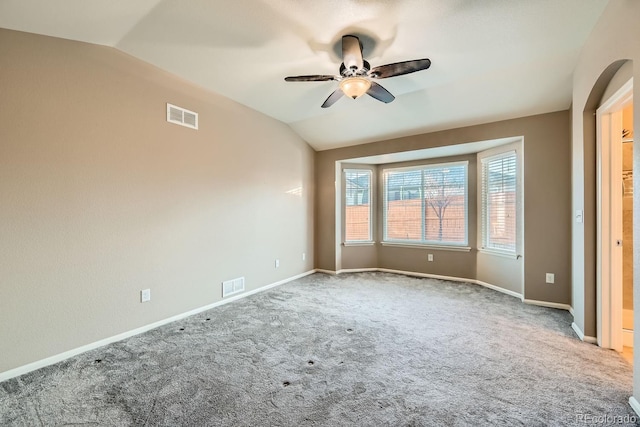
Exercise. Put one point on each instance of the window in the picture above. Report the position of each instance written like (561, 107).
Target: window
(426, 205)
(357, 205)
(499, 202)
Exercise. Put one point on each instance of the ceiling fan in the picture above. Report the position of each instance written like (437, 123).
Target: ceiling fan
(356, 74)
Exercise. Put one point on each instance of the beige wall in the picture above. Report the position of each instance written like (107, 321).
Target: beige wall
(614, 40)
(502, 271)
(415, 259)
(359, 255)
(101, 197)
(622, 76)
(547, 208)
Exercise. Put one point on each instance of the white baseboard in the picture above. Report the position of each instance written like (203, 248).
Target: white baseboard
(21, 370)
(356, 270)
(577, 330)
(582, 336)
(331, 272)
(557, 305)
(499, 289)
(627, 338)
(426, 275)
(634, 405)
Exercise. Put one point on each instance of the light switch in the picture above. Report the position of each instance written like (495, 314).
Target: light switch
(579, 216)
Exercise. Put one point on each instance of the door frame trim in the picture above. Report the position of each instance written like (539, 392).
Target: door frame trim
(608, 204)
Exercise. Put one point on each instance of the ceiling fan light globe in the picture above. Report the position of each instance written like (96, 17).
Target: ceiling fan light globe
(355, 87)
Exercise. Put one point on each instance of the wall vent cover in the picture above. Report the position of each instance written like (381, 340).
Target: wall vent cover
(182, 116)
(231, 287)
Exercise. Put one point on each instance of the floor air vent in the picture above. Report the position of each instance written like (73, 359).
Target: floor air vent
(231, 287)
(181, 116)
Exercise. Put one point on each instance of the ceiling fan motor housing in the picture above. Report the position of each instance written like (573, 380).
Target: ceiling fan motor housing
(353, 71)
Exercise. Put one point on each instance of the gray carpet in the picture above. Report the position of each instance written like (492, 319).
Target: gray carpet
(366, 349)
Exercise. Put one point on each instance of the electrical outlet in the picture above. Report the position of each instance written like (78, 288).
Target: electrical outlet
(277, 263)
(304, 256)
(550, 278)
(145, 295)
(430, 257)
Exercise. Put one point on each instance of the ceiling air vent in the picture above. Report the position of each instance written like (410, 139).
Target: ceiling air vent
(181, 116)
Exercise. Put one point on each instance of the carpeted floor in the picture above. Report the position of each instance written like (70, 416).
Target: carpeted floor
(368, 349)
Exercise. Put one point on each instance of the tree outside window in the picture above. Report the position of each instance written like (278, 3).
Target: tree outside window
(427, 204)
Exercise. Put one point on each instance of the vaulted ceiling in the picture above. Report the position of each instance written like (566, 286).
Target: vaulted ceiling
(491, 59)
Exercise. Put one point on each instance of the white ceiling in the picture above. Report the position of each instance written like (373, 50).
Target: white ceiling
(491, 59)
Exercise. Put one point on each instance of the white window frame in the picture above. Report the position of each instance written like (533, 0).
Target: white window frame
(424, 242)
(344, 204)
(483, 158)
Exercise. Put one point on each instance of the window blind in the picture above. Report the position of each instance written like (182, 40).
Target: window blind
(499, 202)
(426, 205)
(357, 205)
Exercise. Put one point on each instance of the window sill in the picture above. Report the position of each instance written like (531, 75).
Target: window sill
(427, 246)
(500, 254)
(358, 243)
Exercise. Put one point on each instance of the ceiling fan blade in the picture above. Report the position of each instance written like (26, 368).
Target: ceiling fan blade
(315, 78)
(352, 53)
(381, 94)
(337, 94)
(399, 68)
